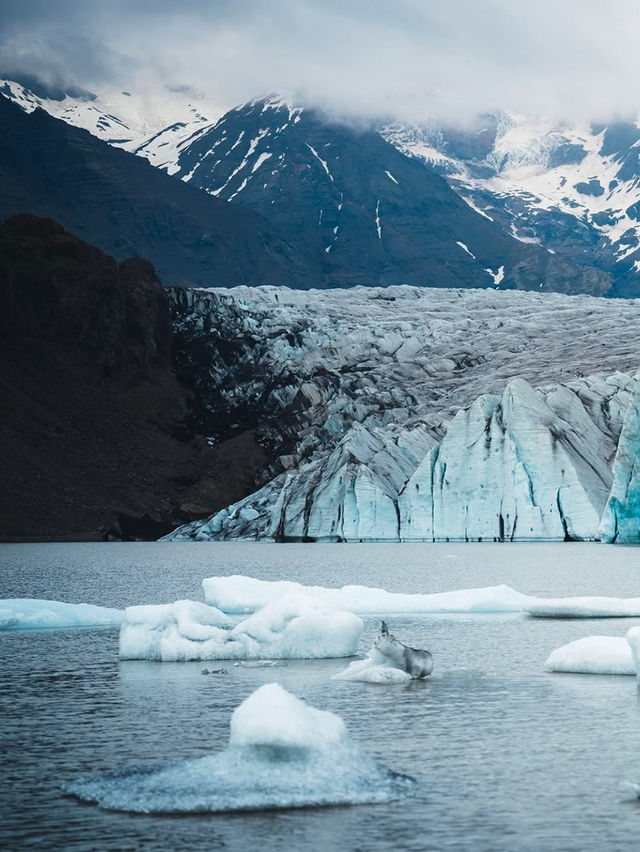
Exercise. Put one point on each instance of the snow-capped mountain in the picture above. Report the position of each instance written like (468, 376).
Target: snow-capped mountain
(573, 189)
(392, 413)
(154, 122)
(340, 190)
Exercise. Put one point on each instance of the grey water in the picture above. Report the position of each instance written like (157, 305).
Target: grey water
(507, 756)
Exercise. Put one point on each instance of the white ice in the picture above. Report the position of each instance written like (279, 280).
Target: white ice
(282, 753)
(593, 655)
(582, 607)
(633, 640)
(290, 626)
(240, 594)
(36, 613)
(374, 668)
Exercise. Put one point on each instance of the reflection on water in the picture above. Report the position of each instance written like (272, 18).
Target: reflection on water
(507, 756)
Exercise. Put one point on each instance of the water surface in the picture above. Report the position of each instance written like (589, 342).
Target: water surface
(507, 756)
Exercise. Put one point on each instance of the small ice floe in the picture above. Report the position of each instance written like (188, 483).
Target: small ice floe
(282, 753)
(389, 661)
(593, 655)
(291, 627)
(240, 594)
(633, 640)
(582, 607)
(37, 613)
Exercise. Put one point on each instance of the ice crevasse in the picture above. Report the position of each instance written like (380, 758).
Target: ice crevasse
(282, 753)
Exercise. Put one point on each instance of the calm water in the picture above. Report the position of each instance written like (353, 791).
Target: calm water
(507, 756)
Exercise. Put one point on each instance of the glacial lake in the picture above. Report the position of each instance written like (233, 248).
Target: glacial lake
(507, 756)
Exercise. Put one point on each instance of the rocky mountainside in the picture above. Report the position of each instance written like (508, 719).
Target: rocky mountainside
(376, 215)
(120, 203)
(573, 189)
(96, 434)
(368, 215)
(392, 413)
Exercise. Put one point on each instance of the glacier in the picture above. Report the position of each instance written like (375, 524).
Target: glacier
(38, 613)
(391, 415)
(240, 594)
(289, 626)
(593, 655)
(282, 753)
(621, 518)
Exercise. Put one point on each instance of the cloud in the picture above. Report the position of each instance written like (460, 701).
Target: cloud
(407, 59)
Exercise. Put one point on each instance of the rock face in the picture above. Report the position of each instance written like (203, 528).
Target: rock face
(621, 519)
(375, 420)
(96, 437)
(118, 202)
(376, 216)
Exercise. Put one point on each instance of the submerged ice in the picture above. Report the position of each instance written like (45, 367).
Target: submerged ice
(290, 626)
(37, 613)
(282, 753)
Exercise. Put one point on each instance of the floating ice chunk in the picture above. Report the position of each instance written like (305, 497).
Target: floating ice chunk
(583, 607)
(246, 594)
(633, 639)
(593, 655)
(293, 626)
(36, 613)
(282, 753)
(374, 668)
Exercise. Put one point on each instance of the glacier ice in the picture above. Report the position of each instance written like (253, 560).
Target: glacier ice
(36, 613)
(621, 518)
(241, 594)
(582, 607)
(593, 655)
(289, 626)
(633, 639)
(282, 753)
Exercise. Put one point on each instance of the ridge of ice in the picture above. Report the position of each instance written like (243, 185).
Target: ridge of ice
(282, 753)
(289, 626)
(241, 594)
(39, 613)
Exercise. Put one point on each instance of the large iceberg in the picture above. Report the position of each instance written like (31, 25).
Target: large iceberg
(290, 626)
(582, 607)
(240, 594)
(593, 655)
(282, 753)
(38, 613)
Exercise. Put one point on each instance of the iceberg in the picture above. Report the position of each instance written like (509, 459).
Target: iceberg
(582, 607)
(593, 655)
(39, 613)
(290, 626)
(282, 753)
(633, 639)
(374, 668)
(241, 594)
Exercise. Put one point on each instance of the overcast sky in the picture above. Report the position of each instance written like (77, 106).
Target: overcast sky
(408, 59)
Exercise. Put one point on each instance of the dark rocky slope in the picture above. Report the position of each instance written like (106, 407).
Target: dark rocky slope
(95, 434)
(119, 202)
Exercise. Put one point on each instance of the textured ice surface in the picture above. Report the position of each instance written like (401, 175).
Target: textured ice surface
(633, 639)
(282, 753)
(239, 594)
(290, 626)
(374, 668)
(621, 518)
(34, 613)
(394, 414)
(593, 655)
(582, 607)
